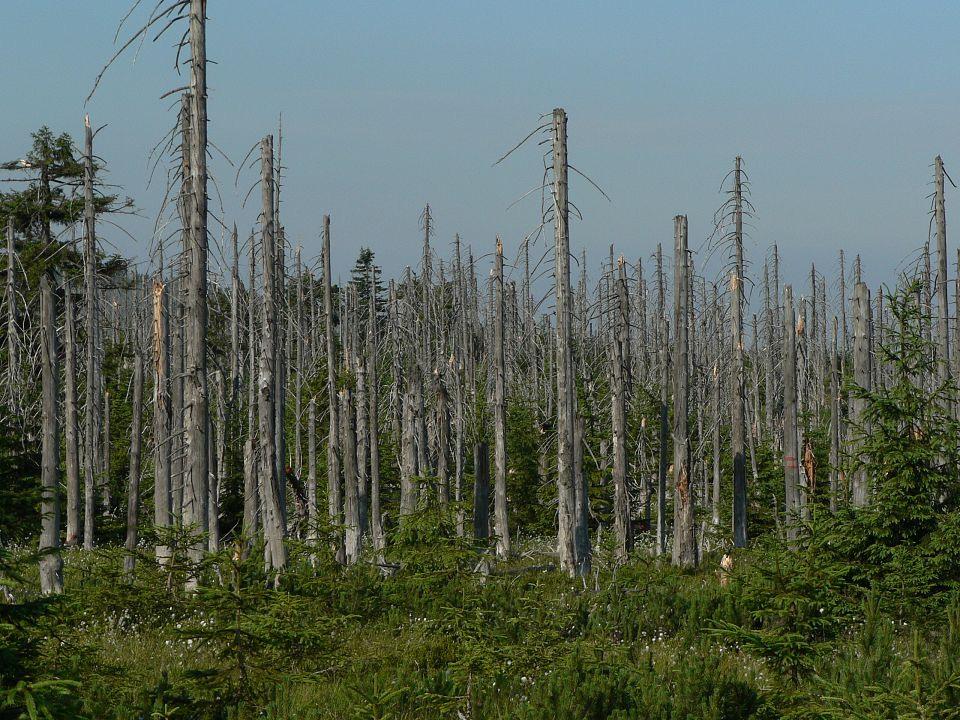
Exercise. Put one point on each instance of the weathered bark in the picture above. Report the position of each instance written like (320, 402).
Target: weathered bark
(161, 417)
(859, 486)
(663, 341)
(620, 392)
(51, 565)
(408, 458)
(92, 399)
(791, 439)
(684, 530)
(196, 416)
(376, 517)
(943, 330)
(13, 356)
(501, 529)
(312, 468)
(273, 526)
(568, 524)
(351, 510)
(70, 418)
(133, 481)
(251, 476)
(334, 487)
(737, 413)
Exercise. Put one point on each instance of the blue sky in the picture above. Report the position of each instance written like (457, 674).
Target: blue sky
(837, 109)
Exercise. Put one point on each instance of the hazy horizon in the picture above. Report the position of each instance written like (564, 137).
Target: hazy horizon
(837, 110)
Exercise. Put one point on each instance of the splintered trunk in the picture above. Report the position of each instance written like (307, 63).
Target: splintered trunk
(501, 530)
(791, 437)
(136, 444)
(273, 526)
(51, 565)
(161, 419)
(70, 418)
(196, 420)
(92, 400)
(334, 496)
(571, 556)
(859, 486)
(481, 492)
(684, 530)
(620, 376)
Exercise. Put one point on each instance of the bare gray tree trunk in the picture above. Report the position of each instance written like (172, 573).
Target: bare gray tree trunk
(234, 317)
(51, 565)
(92, 400)
(570, 558)
(312, 468)
(684, 529)
(136, 444)
(943, 330)
(859, 485)
(376, 517)
(834, 420)
(273, 526)
(663, 341)
(501, 529)
(334, 496)
(737, 417)
(251, 485)
(791, 438)
(161, 416)
(70, 418)
(621, 364)
(351, 510)
(196, 415)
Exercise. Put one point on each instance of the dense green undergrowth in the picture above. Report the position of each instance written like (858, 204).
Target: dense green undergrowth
(791, 634)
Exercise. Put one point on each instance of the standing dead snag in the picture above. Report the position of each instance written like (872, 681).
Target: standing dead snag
(376, 519)
(620, 362)
(684, 529)
(943, 330)
(859, 489)
(572, 554)
(161, 416)
(501, 530)
(51, 565)
(273, 526)
(334, 496)
(736, 306)
(92, 400)
(791, 437)
(70, 418)
(136, 441)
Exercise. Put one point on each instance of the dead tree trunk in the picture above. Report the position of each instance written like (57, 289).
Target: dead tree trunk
(274, 528)
(737, 418)
(664, 342)
(13, 358)
(51, 565)
(943, 331)
(620, 393)
(136, 444)
(684, 529)
(570, 554)
(791, 437)
(834, 420)
(376, 518)
(92, 400)
(70, 418)
(501, 529)
(161, 417)
(861, 377)
(334, 497)
(196, 418)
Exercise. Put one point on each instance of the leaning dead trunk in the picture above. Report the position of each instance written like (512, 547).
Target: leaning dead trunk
(51, 565)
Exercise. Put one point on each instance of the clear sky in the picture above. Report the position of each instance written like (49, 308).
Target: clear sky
(837, 108)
